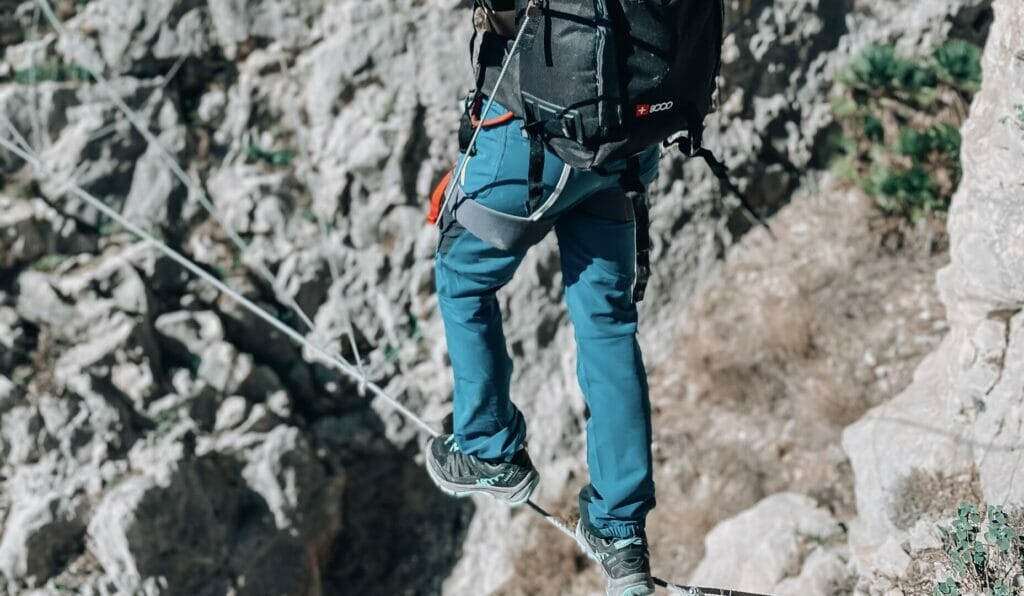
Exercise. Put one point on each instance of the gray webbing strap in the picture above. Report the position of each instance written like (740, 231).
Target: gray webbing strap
(501, 230)
(516, 234)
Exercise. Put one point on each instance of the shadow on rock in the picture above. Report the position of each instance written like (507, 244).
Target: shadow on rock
(401, 535)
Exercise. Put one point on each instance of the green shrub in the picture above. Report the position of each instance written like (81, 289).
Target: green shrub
(985, 552)
(878, 67)
(940, 141)
(900, 136)
(282, 158)
(959, 63)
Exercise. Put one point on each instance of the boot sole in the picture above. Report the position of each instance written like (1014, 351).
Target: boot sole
(631, 585)
(512, 495)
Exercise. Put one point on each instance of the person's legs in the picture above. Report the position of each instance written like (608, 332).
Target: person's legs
(598, 265)
(469, 272)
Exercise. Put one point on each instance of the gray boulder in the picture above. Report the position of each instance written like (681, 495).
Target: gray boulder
(39, 534)
(22, 436)
(299, 493)
(173, 522)
(9, 394)
(14, 339)
(121, 349)
(224, 368)
(155, 198)
(782, 537)
(40, 303)
(25, 232)
(188, 333)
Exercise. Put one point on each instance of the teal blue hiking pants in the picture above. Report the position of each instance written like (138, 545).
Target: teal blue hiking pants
(598, 260)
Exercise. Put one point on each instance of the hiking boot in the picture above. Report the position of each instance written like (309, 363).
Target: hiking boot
(461, 475)
(626, 563)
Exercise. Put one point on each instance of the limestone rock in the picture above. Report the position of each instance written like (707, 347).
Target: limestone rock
(40, 303)
(94, 422)
(285, 22)
(15, 339)
(913, 433)
(137, 532)
(123, 349)
(294, 484)
(39, 534)
(823, 572)
(224, 368)
(22, 439)
(188, 333)
(768, 543)
(961, 415)
(38, 113)
(231, 413)
(25, 232)
(156, 196)
(133, 36)
(9, 394)
(999, 429)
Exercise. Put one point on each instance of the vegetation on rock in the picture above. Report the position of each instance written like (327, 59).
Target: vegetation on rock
(900, 120)
(986, 553)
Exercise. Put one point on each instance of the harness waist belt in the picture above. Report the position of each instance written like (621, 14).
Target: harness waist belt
(501, 230)
(512, 233)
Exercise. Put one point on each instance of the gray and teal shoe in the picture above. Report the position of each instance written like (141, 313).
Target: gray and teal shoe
(460, 474)
(626, 563)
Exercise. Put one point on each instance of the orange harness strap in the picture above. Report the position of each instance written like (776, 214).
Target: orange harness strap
(488, 123)
(437, 198)
(493, 121)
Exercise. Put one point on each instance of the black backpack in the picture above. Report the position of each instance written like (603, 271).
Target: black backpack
(602, 80)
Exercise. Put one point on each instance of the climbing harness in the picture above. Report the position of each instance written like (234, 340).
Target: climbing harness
(532, 13)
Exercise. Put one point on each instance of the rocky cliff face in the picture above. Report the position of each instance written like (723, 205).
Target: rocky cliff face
(955, 433)
(156, 438)
(960, 421)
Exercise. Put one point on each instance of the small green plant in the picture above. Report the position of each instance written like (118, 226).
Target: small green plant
(49, 263)
(167, 420)
(900, 119)
(52, 72)
(281, 158)
(986, 553)
(878, 67)
(959, 63)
